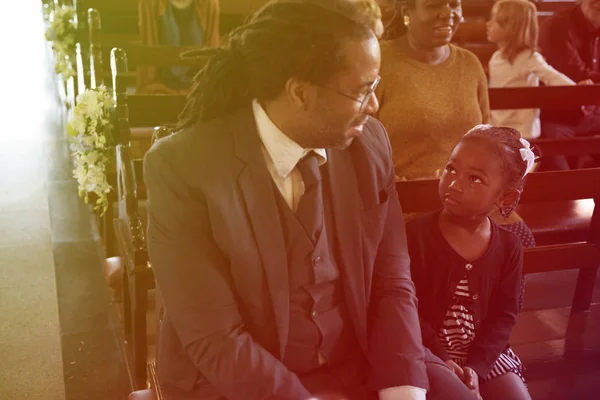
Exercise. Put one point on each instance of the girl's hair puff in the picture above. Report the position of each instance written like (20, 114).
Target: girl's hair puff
(519, 19)
(506, 143)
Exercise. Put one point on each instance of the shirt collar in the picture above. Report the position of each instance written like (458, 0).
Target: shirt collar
(284, 152)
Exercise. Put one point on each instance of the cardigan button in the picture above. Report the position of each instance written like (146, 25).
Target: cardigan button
(475, 296)
(468, 267)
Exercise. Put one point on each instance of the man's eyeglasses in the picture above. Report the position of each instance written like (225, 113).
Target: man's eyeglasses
(364, 99)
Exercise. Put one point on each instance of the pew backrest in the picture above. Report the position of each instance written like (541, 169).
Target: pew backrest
(138, 55)
(420, 196)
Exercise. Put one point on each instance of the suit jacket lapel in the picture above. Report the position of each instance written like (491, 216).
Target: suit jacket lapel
(341, 182)
(257, 189)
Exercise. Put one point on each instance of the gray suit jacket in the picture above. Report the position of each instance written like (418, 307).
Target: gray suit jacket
(217, 250)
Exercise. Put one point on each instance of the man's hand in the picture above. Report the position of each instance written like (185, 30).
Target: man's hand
(456, 369)
(471, 380)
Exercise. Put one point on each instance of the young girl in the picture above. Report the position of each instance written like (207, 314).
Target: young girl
(514, 28)
(467, 269)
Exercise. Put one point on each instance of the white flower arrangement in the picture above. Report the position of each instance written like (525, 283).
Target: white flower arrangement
(92, 144)
(61, 33)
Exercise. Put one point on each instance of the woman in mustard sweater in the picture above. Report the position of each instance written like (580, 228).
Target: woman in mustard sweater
(431, 92)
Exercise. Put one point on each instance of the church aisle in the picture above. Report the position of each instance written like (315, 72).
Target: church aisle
(57, 331)
(30, 342)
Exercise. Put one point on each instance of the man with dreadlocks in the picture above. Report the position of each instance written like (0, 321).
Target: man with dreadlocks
(275, 232)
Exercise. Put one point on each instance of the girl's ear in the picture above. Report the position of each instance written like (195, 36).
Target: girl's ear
(508, 200)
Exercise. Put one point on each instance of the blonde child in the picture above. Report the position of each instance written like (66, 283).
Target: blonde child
(513, 26)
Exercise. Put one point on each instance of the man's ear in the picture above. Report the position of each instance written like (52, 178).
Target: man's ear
(300, 94)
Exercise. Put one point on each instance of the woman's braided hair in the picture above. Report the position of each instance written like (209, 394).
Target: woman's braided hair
(284, 39)
(395, 27)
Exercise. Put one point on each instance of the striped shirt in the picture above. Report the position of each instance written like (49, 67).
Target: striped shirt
(458, 332)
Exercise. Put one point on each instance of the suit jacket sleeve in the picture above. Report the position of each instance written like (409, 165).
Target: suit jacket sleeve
(431, 341)
(396, 353)
(419, 277)
(494, 334)
(198, 291)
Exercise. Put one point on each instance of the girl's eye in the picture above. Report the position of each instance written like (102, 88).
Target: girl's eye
(450, 169)
(476, 179)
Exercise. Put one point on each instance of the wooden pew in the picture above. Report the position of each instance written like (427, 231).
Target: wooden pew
(541, 187)
(138, 55)
(574, 215)
(135, 111)
(120, 28)
(546, 97)
(144, 110)
(137, 275)
(141, 134)
(118, 25)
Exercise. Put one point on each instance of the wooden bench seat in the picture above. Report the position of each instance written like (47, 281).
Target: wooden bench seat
(558, 221)
(581, 252)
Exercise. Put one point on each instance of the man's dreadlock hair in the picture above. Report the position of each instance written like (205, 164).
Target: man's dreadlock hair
(284, 39)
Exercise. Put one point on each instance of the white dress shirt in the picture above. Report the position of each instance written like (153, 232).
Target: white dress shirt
(528, 68)
(281, 155)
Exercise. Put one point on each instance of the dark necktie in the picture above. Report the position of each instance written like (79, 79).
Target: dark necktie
(310, 206)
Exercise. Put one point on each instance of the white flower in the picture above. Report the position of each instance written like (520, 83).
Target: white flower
(78, 123)
(62, 33)
(89, 135)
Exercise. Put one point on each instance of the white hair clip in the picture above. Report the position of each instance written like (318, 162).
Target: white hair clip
(527, 155)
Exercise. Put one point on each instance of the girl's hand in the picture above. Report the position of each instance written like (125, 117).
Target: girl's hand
(456, 369)
(472, 380)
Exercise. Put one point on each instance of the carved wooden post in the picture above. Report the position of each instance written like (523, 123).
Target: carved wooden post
(82, 46)
(95, 48)
(118, 63)
(137, 272)
(586, 279)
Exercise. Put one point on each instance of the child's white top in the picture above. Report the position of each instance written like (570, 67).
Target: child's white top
(528, 68)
